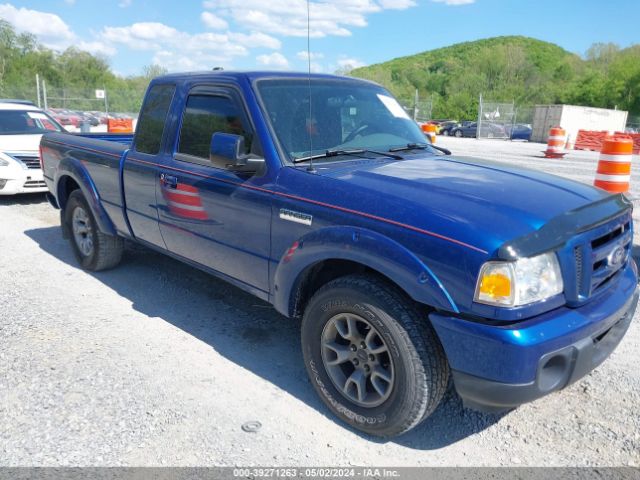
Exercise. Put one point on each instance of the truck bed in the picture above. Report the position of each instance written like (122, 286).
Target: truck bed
(101, 155)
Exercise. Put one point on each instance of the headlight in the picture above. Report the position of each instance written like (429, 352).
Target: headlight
(527, 280)
(3, 162)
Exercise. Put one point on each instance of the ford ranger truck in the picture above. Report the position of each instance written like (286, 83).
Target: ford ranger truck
(407, 267)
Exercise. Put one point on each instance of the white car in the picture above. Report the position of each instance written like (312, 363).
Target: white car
(21, 126)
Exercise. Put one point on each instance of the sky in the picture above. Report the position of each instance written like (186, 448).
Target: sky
(192, 35)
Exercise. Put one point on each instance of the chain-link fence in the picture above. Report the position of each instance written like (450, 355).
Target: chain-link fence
(419, 110)
(633, 124)
(19, 92)
(495, 120)
(99, 99)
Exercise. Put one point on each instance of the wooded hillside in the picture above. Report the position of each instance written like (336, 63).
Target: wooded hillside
(505, 69)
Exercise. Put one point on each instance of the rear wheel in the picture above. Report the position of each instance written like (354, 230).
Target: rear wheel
(94, 250)
(372, 356)
(445, 133)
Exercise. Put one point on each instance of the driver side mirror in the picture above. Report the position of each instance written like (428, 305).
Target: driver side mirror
(227, 151)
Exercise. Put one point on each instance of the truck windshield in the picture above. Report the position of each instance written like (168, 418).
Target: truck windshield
(344, 115)
(26, 122)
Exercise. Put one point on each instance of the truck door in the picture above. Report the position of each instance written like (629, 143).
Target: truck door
(208, 214)
(141, 169)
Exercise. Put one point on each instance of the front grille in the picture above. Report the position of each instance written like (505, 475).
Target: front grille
(34, 184)
(609, 253)
(31, 162)
(598, 255)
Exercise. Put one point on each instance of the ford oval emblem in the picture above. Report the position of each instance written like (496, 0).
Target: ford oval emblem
(616, 257)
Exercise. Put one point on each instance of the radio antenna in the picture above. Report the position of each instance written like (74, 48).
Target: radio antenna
(309, 124)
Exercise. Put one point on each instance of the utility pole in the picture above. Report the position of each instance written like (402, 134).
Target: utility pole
(415, 106)
(38, 89)
(106, 105)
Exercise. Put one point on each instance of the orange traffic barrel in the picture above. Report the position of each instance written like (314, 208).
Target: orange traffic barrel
(120, 125)
(429, 129)
(614, 166)
(556, 142)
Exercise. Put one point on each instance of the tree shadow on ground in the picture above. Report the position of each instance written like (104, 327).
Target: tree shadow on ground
(245, 330)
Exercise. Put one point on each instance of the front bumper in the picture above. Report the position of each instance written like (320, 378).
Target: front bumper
(16, 181)
(496, 368)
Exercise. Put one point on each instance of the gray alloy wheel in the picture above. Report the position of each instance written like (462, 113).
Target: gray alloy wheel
(458, 133)
(357, 360)
(95, 250)
(82, 231)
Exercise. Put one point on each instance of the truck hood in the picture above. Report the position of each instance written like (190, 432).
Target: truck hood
(20, 143)
(478, 202)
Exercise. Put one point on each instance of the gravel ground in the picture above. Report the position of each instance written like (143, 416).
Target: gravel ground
(156, 363)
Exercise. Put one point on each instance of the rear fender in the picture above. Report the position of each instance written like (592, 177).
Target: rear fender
(365, 247)
(74, 169)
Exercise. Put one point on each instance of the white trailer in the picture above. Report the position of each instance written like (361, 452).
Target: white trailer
(573, 118)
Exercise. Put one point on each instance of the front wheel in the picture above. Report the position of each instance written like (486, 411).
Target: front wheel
(94, 250)
(373, 358)
(458, 133)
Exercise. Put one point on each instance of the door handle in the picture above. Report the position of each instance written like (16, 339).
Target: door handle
(169, 181)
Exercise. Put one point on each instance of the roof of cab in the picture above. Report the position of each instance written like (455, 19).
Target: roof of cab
(250, 75)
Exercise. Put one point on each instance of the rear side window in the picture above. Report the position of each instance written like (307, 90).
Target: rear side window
(203, 116)
(152, 119)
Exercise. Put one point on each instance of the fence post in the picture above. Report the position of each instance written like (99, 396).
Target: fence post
(44, 94)
(38, 88)
(479, 124)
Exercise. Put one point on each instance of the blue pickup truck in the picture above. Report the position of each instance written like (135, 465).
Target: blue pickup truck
(410, 269)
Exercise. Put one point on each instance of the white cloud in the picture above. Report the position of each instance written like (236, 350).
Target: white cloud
(304, 55)
(49, 28)
(289, 17)
(125, 3)
(455, 2)
(177, 50)
(213, 21)
(97, 48)
(70, 2)
(256, 40)
(350, 63)
(397, 4)
(273, 60)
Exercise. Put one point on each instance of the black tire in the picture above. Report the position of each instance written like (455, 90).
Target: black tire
(105, 251)
(416, 360)
(458, 133)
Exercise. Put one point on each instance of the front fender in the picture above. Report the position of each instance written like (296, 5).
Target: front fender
(366, 247)
(73, 168)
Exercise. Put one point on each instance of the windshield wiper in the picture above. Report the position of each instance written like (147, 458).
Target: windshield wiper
(420, 146)
(352, 152)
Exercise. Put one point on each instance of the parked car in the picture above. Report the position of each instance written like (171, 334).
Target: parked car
(21, 126)
(519, 131)
(87, 117)
(66, 117)
(488, 130)
(446, 127)
(407, 268)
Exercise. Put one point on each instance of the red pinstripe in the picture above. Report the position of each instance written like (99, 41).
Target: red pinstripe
(295, 197)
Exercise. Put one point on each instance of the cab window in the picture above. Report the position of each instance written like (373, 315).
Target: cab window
(205, 115)
(152, 119)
